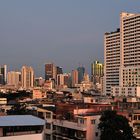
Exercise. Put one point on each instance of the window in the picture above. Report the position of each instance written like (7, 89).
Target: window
(93, 121)
(96, 134)
(82, 121)
(48, 126)
(48, 115)
(48, 137)
(139, 117)
(135, 117)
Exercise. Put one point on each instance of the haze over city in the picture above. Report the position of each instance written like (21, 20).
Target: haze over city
(68, 33)
(69, 70)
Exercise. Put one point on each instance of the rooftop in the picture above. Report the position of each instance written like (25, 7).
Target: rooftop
(109, 33)
(20, 120)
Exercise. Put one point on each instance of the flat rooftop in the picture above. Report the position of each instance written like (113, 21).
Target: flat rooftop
(20, 120)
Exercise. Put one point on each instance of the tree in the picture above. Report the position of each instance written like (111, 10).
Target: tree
(115, 127)
(17, 109)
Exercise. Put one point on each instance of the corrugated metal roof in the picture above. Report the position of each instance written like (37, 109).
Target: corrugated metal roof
(20, 120)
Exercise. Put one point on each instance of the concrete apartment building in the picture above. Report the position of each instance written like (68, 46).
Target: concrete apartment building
(111, 60)
(122, 54)
(84, 126)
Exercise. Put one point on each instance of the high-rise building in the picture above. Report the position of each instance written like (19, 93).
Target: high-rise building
(50, 71)
(60, 79)
(81, 71)
(74, 78)
(122, 53)
(59, 70)
(63, 80)
(14, 78)
(111, 60)
(97, 71)
(130, 36)
(27, 77)
(3, 72)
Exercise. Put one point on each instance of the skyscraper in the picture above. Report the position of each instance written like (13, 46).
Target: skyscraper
(122, 53)
(50, 71)
(74, 77)
(64, 80)
(97, 71)
(59, 70)
(3, 72)
(81, 71)
(27, 77)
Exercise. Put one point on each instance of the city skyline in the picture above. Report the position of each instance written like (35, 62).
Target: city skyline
(67, 33)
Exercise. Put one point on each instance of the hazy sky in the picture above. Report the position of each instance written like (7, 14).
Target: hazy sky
(66, 32)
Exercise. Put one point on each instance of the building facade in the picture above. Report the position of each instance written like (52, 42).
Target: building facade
(97, 71)
(122, 64)
(3, 73)
(111, 60)
(27, 77)
(50, 71)
(14, 78)
(81, 71)
(74, 78)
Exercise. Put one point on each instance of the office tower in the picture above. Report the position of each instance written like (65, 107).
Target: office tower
(3, 72)
(122, 55)
(97, 71)
(81, 71)
(27, 77)
(59, 70)
(14, 78)
(50, 71)
(74, 77)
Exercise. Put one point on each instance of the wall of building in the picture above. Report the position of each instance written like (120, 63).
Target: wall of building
(24, 137)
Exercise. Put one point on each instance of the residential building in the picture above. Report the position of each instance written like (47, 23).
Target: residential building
(38, 93)
(122, 51)
(85, 127)
(135, 123)
(14, 78)
(111, 60)
(27, 77)
(125, 91)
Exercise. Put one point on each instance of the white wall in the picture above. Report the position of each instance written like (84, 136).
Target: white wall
(24, 137)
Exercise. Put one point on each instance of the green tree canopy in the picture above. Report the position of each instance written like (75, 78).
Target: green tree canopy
(115, 127)
(18, 109)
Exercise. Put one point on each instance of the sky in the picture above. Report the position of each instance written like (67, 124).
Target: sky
(69, 33)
